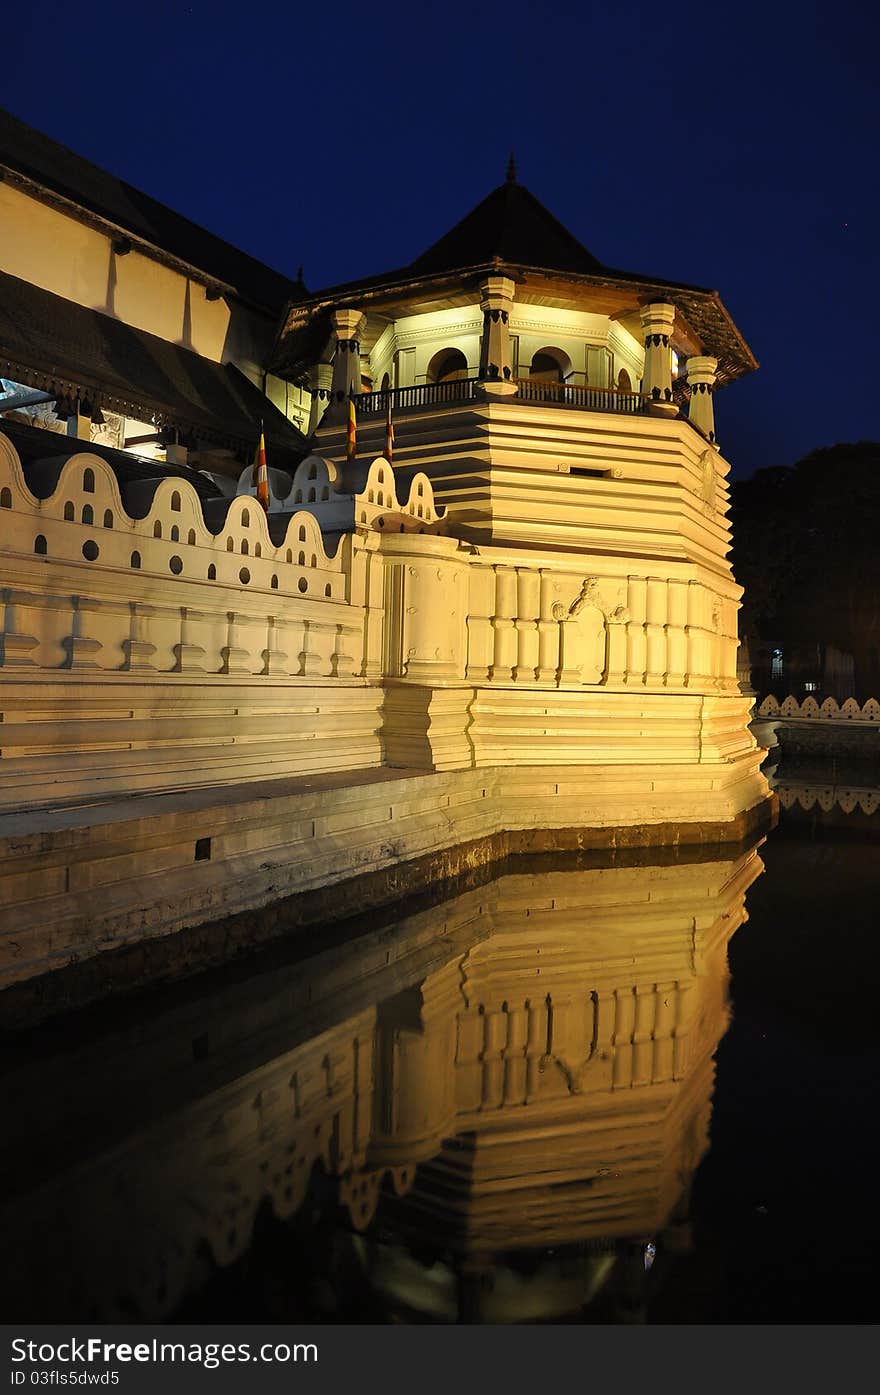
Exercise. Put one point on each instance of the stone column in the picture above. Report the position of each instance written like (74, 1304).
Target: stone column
(78, 423)
(701, 378)
(657, 322)
(347, 361)
(496, 363)
(175, 453)
(320, 387)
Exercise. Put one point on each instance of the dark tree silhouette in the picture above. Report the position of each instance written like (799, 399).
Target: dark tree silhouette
(806, 548)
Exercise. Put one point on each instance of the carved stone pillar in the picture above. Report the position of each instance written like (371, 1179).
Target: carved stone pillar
(701, 372)
(657, 322)
(320, 387)
(496, 362)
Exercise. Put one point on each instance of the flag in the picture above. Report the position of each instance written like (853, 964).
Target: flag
(389, 434)
(352, 430)
(262, 474)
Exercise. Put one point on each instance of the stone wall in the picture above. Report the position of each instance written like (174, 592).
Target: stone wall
(216, 669)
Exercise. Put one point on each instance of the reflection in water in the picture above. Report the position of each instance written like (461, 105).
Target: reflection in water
(485, 1112)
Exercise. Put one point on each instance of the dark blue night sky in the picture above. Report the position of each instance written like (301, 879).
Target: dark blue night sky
(731, 145)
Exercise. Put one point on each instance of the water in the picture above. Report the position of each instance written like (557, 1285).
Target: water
(544, 1098)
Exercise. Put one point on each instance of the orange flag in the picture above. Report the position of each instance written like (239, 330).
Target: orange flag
(352, 430)
(262, 473)
(389, 434)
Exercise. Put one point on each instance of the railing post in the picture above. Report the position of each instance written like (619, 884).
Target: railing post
(347, 360)
(701, 371)
(657, 321)
(496, 362)
(320, 383)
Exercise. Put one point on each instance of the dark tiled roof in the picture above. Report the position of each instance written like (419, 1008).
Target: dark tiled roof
(510, 231)
(52, 343)
(510, 225)
(43, 453)
(63, 172)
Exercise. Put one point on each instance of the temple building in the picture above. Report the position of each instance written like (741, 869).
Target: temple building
(486, 602)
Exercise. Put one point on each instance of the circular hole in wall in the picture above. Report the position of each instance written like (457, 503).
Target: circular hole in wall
(90, 551)
(244, 576)
(303, 584)
(176, 565)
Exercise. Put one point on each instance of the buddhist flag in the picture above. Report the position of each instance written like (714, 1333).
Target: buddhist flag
(352, 430)
(389, 434)
(262, 474)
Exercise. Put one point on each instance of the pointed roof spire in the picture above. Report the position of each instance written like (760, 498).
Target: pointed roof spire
(511, 169)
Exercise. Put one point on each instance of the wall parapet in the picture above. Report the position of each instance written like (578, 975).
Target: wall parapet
(148, 643)
(828, 711)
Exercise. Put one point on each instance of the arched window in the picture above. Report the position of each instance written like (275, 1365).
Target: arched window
(191, 537)
(311, 498)
(136, 561)
(313, 471)
(274, 583)
(175, 533)
(157, 529)
(88, 480)
(245, 519)
(212, 572)
(550, 365)
(5, 498)
(447, 366)
(108, 518)
(68, 512)
(175, 502)
(40, 547)
(302, 533)
(624, 382)
(88, 514)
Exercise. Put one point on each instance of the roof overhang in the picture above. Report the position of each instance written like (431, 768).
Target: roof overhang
(705, 324)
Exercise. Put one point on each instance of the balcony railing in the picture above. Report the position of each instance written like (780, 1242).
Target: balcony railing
(371, 404)
(581, 397)
(456, 390)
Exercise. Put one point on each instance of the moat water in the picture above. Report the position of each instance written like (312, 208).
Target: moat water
(590, 1089)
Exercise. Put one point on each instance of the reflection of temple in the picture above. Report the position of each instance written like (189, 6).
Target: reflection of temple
(524, 1071)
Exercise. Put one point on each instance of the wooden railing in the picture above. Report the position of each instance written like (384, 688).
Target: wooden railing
(455, 390)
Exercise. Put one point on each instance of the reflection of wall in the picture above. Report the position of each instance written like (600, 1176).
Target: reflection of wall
(553, 1078)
